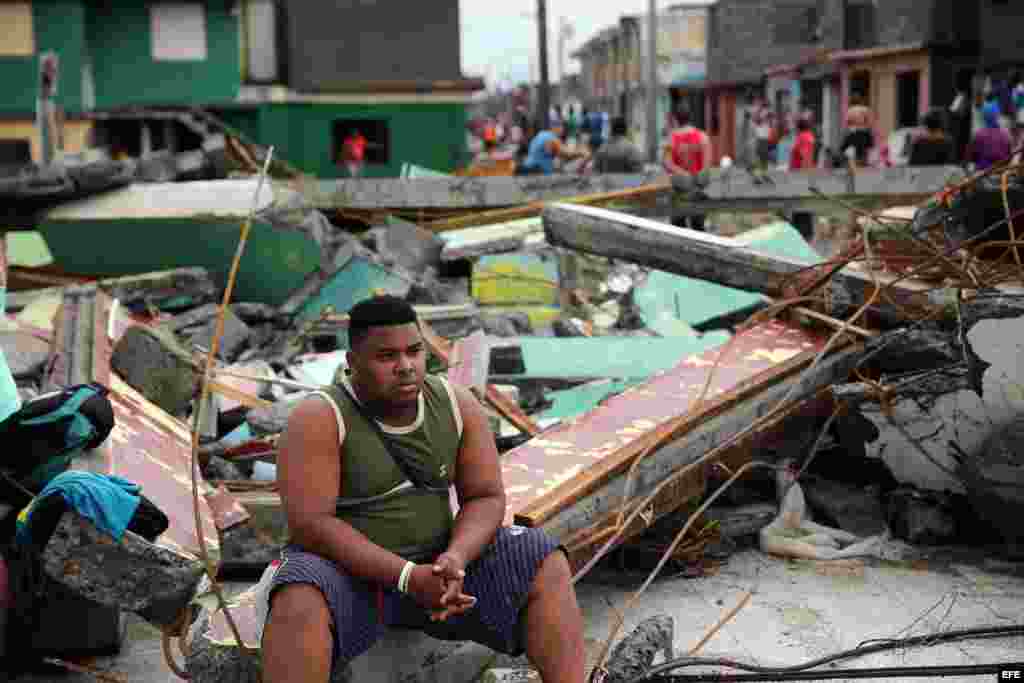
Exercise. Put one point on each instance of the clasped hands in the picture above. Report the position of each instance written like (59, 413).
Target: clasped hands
(438, 587)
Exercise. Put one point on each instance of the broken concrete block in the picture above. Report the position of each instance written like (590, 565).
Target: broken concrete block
(131, 574)
(512, 324)
(26, 354)
(920, 518)
(252, 313)
(199, 325)
(857, 510)
(172, 290)
(273, 420)
(407, 245)
(744, 520)
(994, 480)
(154, 363)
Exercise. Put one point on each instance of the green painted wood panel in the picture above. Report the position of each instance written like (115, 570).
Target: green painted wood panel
(120, 41)
(275, 262)
(59, 25)
(426, 134)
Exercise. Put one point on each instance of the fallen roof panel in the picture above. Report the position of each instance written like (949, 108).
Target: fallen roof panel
(563, 479)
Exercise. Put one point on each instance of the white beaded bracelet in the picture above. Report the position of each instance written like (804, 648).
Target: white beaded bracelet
(403, 578)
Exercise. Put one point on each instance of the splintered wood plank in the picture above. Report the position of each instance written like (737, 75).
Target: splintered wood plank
(573, 474)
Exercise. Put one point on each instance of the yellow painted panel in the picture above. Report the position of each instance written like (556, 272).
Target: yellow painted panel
(18, 37)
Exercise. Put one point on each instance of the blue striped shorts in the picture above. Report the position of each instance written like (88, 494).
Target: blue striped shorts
(500, 579)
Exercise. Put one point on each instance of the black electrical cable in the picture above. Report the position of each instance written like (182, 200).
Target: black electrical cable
(865, 648)
(889, 672)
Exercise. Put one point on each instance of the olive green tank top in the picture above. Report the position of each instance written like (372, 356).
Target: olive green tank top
(376, 498)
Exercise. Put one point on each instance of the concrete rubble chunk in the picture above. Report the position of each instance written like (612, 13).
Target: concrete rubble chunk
(273, 420)
(26, 355)
(921, 518)
(635, 653)
(168, 290)
(154, 363)
(407, 245)
(130, 574)
(857, 510)
(199, 325)
(253, 313)
(511, 324)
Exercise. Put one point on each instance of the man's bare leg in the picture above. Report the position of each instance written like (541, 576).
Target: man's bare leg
(297, 641)
(554, 624)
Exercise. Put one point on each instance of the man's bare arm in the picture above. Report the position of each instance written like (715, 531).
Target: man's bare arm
(309, 479)
(477, 482)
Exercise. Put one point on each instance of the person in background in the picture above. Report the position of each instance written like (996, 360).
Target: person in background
(803, 154)
(595, 124)
(570, 123)
(354, 152)
(545, 147)
(992, 143)
(687, 153)
(619, 155)
(933, 147)
(860, 136)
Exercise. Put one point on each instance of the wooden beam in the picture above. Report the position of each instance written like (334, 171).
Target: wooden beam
(726, 262)
(739, 190)
(461, 192)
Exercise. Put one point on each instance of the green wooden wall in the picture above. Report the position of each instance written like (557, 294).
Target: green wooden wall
(431, 135)
(59, 26)
(126, 74)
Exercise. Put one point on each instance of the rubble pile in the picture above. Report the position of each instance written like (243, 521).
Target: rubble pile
(549, 336)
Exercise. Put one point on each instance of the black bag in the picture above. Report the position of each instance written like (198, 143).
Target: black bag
(40, 440)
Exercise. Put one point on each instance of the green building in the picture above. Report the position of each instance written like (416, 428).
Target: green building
(295, 74)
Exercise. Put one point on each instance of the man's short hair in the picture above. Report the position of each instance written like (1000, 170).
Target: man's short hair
(619, 125)
(378, 311)
(683, 116)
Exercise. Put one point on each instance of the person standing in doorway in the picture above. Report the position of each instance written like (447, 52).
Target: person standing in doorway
(802, 156)
(687, 154)
(354, 152)
(860, 136)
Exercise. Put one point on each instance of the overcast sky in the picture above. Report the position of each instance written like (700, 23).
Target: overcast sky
(502, 34)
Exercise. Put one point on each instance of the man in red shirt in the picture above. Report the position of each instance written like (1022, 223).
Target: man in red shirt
(802, 156)
(354, 152)
(687, 153)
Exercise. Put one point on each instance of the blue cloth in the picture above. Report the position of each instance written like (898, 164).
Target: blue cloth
(537, 156)
(990, 114)
(108, 502)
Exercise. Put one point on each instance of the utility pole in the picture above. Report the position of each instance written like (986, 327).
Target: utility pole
(544, 96)
(652, 81)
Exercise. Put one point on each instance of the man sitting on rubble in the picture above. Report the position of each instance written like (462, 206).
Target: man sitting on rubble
(371, 549)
